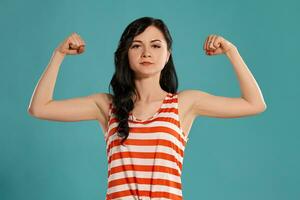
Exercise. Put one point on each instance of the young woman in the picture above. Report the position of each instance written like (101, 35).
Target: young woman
(146, 122)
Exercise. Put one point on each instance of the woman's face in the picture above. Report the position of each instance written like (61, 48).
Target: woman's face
(149, 46)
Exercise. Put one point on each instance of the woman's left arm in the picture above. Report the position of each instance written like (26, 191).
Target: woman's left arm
(250, 90)
(251, 100)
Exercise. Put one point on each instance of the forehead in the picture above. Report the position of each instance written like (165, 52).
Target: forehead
(150, 33)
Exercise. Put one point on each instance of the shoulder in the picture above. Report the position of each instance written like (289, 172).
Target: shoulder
(186, 98)
(103, 101)
(191, 93)
(102, 98)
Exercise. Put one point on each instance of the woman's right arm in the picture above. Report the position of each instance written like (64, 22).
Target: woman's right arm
(42, 105)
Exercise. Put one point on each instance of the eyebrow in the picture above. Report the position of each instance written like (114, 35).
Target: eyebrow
(142, 42)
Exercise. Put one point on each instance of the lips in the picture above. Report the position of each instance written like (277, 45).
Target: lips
(146, 63)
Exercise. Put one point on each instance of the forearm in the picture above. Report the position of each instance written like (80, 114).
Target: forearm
(43, 92)
(249, 88)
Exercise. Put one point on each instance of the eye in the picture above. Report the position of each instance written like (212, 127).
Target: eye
(135, 45)
(156, 46)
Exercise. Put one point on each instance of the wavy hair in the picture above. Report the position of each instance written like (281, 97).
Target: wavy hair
(122, 81)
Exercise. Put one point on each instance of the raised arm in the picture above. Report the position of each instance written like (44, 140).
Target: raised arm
(251, 101)
(42, 105)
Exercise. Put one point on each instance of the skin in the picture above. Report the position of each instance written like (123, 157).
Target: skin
(192, 103)
(148, 46)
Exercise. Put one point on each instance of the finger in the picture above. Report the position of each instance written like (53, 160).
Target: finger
(72, 45)
(81, 43)
(74, 39)
(72, 42)
(208, 42)
(217, 42)
(80, 49)
(73, 51)
(211, 44)
(69, 42)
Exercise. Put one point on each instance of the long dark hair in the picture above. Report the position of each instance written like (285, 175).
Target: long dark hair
(122, 81)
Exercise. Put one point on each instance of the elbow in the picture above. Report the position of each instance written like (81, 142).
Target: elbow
(32, 111)
(261, 108)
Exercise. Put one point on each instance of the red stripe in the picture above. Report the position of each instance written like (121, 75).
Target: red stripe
(150, 181)
(143, 193)
(145, 168)
(146, 142)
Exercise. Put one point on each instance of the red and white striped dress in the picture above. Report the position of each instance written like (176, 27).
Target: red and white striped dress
(149, 165)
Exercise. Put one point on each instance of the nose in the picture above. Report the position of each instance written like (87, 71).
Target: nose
(146, 53)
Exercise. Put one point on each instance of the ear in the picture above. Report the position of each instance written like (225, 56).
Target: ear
(168, 56)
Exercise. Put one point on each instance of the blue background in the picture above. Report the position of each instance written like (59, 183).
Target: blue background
(248, 158)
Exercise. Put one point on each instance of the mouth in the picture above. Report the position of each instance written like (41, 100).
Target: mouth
(146, 63)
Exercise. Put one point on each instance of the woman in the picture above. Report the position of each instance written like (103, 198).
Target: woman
(146, 122)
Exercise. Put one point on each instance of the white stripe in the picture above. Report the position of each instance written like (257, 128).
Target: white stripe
(142, 198)
(158, 135)
(134, 197)
(147, 187)
(131, 197)
(142, 174)
(147, 162)
(146, 149)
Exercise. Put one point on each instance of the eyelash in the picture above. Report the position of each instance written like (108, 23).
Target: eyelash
(136, 45)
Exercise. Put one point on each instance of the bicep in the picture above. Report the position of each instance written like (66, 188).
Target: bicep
(73, 109)
(221, 107)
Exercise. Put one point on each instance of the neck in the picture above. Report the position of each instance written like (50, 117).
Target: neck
(147, 91)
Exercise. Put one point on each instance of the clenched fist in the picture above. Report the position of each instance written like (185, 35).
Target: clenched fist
(215, 45)
(72, 45)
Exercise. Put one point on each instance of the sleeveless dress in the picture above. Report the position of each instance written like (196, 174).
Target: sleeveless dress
(149, 165)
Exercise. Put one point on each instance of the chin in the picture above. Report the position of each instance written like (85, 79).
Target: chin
(147, 72)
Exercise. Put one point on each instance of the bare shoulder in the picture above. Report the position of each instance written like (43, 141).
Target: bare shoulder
(186, 95)
(189, 98)
(186, 100)
(102, 97)
(102, 101)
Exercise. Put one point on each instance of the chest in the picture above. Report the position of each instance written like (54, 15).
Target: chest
(142, 112)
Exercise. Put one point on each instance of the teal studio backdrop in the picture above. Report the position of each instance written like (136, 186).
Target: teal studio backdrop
(249, 158)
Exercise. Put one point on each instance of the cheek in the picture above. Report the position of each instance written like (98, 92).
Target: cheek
(161, 57)
(132, 60)
(131, 57)
(134, 53)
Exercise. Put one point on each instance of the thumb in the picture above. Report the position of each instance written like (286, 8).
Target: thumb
(73, 51)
